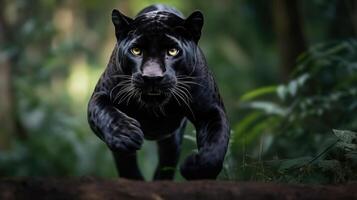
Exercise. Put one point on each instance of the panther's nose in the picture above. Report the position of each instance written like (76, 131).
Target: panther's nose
(152, 68)
(152, 73)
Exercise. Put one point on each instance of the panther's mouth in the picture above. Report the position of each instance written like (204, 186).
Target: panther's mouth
(154, 93)
(154, 98)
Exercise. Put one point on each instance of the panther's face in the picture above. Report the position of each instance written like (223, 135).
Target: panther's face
(157, 55)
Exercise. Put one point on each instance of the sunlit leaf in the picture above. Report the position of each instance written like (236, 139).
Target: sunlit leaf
(346, 136)
(268, 107)
(258, 93)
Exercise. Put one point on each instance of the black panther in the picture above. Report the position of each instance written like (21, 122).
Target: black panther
(157, 79)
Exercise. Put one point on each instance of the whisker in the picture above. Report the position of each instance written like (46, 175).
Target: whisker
(181, 77)
(173, 94)
(185, 88)
(116, 86)
(184, 94)
(136, 94)
(123, 92)
(124, 97)
(131, 94)
(188, 79)
(184, 101)
(191, 82)
(181, 96)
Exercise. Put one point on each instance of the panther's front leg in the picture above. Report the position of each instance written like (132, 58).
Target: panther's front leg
(127, 166)
(121, 133)
(169, 153)
(212, 142)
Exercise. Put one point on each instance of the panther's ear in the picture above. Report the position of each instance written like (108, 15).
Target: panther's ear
(121, 23)
(194, 24)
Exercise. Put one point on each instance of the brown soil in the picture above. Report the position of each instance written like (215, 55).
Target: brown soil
(92, 188)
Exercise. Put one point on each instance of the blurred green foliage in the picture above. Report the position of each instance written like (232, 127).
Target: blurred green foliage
(299, 131)
(288, 133)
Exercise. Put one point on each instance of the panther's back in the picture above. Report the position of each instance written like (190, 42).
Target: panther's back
(160, 7)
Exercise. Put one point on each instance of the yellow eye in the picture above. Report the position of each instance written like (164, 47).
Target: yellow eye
(172, 52)
(136, 51)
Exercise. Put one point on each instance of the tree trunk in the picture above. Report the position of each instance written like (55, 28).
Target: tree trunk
(10, 125)
(290, 37)
(6, 100)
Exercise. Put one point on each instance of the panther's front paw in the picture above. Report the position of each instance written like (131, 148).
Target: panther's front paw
(124, 135)
(197, 166)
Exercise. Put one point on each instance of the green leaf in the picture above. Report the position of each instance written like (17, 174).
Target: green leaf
(346, 146)
(346, 136)
(258, 93)
(281, 91)
(329, 165)
(190, 138)
(259, 129)
(245, 123)
(302, 79)
(294, 163)
(267, 107)
(292, 87)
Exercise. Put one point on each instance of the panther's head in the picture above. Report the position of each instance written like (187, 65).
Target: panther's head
(157, 53)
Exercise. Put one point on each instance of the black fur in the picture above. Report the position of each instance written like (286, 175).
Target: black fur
(129, 105)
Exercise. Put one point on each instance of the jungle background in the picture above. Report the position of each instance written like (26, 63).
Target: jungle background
(287, 71)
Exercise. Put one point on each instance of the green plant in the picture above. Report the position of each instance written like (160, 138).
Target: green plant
(295, 121)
